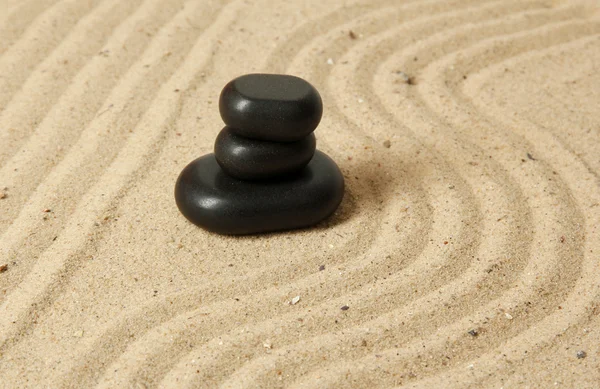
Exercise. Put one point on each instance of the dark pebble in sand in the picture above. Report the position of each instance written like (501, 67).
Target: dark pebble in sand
(272, 107)
(251, 159)
(211, 199)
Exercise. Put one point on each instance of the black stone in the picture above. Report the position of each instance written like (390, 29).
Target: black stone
(272, 107)
(217, 202)
(251, 159)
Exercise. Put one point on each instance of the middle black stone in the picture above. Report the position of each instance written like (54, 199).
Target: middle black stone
(251, 159)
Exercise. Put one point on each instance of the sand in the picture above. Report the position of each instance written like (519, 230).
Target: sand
(466, 252)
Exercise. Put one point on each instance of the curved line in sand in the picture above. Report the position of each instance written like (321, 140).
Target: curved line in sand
(35, 75)
(88, 148)
(246, 376)
(317, 342)
(15, 20)
(54, 262)
(144, 312)
(533, 339)
(181, 318)
(416, 346)
(383, 114)
(250, 341)
(35, 21)
(161, 353)
(34, 42)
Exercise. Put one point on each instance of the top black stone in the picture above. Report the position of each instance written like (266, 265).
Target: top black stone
(272, 107)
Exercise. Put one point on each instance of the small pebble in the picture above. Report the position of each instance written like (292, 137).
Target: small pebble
(508, 315)
(322, 267)
(387, 144)
(581, 354)
(3, 195)
(295, 300)
(406, 78)
(3, 268)
(473, 332)
(403, 75)
(329, 61)
(345, 308)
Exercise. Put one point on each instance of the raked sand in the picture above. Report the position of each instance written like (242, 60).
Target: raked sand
(467, 247)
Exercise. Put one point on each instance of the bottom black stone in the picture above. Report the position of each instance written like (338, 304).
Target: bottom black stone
(211, 199)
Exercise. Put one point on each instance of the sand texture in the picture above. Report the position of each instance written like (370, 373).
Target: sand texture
(466, 252)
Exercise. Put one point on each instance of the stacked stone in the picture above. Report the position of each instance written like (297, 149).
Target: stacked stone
(265, 174)
(270, 122)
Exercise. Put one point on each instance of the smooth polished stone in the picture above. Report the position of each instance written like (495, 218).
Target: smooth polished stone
(213, 200)
(251, 159)
(272, 107)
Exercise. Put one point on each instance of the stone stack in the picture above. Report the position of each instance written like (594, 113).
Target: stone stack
(265, 174)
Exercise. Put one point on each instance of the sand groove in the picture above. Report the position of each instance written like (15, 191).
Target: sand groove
(403, 328)
(43, 63)
(428, 84)
(512, 299)
(481, 215)
(162, 351)
(395, 63)
(89, 141)
(15, 19)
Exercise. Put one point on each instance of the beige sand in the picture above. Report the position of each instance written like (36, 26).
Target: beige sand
(468, 251)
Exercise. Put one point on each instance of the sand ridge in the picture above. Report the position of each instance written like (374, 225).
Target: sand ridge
(466, 251)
